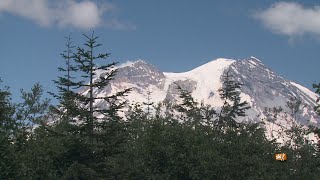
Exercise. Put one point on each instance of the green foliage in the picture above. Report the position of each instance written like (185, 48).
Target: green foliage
(32, 110)
(7, 110)
(85, 61)
(98, 140)
(65, 95)
(192, 113)
(303, 161)
(164, 148)
(317, 87)
(8, 127)
(189, 140)
(232, 106)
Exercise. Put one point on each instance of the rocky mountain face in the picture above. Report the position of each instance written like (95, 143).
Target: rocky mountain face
(261, 86)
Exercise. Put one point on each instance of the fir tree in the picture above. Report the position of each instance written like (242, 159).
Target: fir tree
(148, 103)
(85, 59)
(195, 115)
(317, 108)
(316, 130)
(31, 115)
(64, 82)
(232, 105)
(8, 127)
(98, 138)
(32, 111)
(7, 110)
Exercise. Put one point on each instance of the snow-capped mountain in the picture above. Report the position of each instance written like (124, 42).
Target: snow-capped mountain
(261, 86)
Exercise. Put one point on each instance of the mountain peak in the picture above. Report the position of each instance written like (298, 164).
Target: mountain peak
(132, 63)
(261, 86)
(140, 61)
(254, 58)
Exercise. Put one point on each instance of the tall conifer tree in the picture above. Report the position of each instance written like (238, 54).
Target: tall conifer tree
(86, 60)
(64, 82)
(232, 105)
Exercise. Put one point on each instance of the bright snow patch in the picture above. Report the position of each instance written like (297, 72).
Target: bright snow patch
(129, 63)
(207, 77)
(253, 62)
(252, 57)
(305, 90)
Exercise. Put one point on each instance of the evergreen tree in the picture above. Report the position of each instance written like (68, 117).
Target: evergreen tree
(85, 59)
(317, 108)
(32, 111)
(7, 110)
(148, 103)
(167, 147)
(64, 82)
(65, 112)
(316, 130)
(194, 114)
(302, 155)
(232, 105)
(272, 115)
(31, 116)
(8, 127)
(98, 131)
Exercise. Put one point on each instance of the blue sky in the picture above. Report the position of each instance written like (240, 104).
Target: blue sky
(174, 35)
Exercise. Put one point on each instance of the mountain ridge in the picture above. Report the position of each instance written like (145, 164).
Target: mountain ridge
(261, 86)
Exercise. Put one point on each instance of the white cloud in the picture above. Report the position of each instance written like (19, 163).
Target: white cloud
(291, 19)
(79, 14)
(84, 14)
(36, 10)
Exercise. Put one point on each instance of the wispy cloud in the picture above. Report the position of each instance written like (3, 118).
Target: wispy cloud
(64, 13)
(291, 19)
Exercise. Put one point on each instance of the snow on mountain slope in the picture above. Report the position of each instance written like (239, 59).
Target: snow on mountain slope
(261, 86)
(207, 78)
(305, 90)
